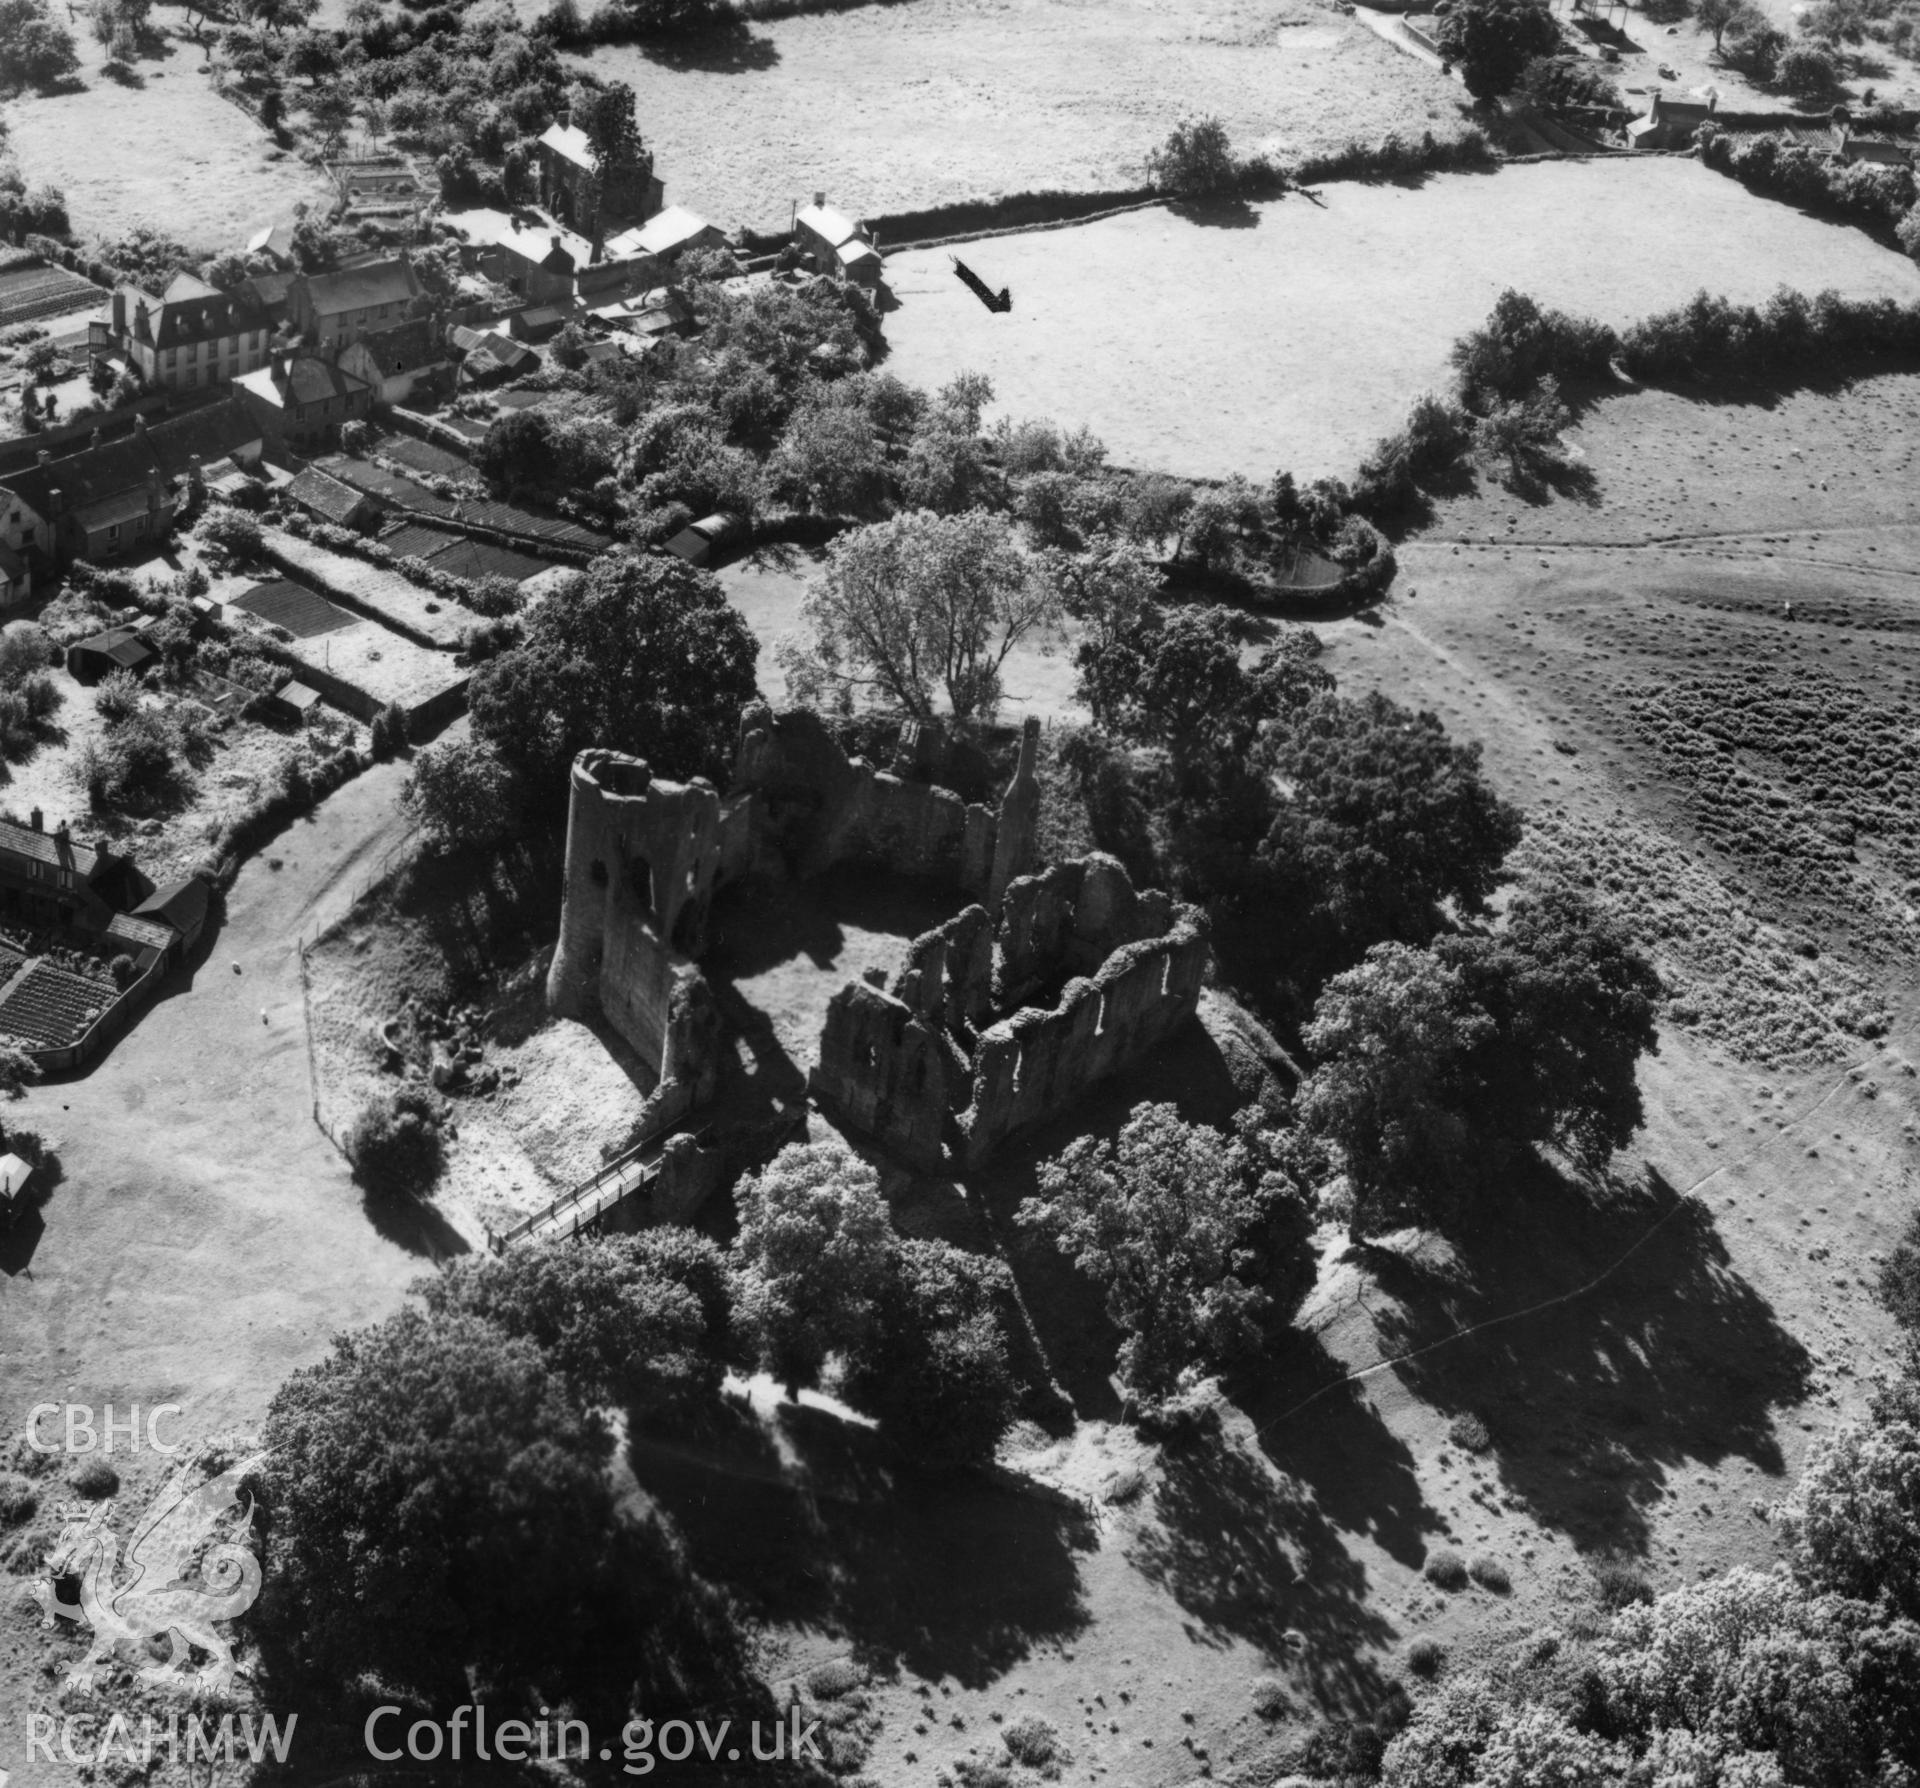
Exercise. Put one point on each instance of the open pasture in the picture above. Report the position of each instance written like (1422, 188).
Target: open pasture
(895, 107)
(165, 151)
(1293, 334)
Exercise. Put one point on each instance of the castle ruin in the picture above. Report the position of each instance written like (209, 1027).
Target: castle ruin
(999, 1017)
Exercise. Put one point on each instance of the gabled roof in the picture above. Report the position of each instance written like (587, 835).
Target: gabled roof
(185, 285)
(113, 511)
(569, 141)
(143, 934)
(275, 239)
(299, 381)
(89, 476)
(359, 288)
(403, 349)
(325, 495)
(823, 220)
(191, 311)
(663, 233)
(22, 843)
(124, 647)
(14, 1175)
(183, 905)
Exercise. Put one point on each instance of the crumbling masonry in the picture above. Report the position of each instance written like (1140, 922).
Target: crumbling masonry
(995, 1019)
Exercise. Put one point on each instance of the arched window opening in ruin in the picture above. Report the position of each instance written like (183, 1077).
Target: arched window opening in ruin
(598, 873)
(640, 880)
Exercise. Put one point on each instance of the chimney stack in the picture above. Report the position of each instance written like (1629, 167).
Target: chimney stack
(93, 440)
(46, 458)
(820, 201)
(38, 820)
(140, 422)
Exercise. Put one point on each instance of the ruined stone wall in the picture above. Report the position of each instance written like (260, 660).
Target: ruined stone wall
(887, 1071)
(642, 859)
(1034, 1064)
(811, 807)
(925, 1068)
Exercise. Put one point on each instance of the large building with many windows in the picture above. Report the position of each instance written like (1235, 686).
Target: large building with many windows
(191, 335)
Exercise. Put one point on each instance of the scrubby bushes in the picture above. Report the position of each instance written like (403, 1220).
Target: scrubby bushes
(34, 50)
(395, 1144)
(141, 762)
(1877, 197)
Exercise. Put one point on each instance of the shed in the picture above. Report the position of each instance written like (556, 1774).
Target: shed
(16, 1176)
(542, 322)
(332, 500)
(703, 540)
(119, 648)
(293, 701)
(183, 906)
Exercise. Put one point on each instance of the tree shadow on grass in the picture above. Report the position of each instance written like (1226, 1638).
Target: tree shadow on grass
(1673, 1358)
(1251, 1555)
(811, 1523)
(416, 1226)
(1224, 212)
(729, 48)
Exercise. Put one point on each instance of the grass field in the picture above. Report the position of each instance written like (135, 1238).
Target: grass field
(896, 107)
(166, 151)
(1291, 335)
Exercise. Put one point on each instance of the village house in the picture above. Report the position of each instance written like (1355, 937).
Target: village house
(190, 336)
(330, 309)
(579, 195)
(52, 880)
(106, 498)
(831, 242)
(398, 362)
(301, 399)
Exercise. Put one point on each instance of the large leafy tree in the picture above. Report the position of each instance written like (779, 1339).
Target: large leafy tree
(1492, 41)
(919, 608)
(636, 1320)
(813, 1255)
(646, 656)
(1354, 820)
(1434, 1063)
(932, 1366)
(438, 1502)
(1176, 1222)
(462, 792)
(34, 50)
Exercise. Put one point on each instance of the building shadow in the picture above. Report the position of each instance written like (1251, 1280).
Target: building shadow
(810, 1522)
(20, 1241)
(730, 48)
(1591, 1402)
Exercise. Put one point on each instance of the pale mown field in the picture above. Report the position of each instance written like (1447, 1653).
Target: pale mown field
(168, 153)
(936, 101)
(1294, 334)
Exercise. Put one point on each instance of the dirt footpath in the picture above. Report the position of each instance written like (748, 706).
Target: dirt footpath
(205, 1238)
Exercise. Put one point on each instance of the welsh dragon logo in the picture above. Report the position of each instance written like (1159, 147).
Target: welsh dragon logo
(178, 1577)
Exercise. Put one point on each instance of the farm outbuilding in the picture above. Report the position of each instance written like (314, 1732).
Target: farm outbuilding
(705, 539)
(293, 701)
(183, 905)
(117, 649)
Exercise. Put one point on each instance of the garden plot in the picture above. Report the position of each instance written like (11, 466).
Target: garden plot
(1293, 335)
(891, 108)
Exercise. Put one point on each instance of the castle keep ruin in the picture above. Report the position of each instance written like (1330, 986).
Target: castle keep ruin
(951, 1059)
(995, 1019)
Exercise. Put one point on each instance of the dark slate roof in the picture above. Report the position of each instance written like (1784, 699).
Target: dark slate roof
(404, 349)
(358, 288)
(325, 495)
(190, 310)
(123, 646)
(23, 843)
(376, 481)
(271, 291)
(208, 434)
(124, 928)
(87, 477)
(183, 905)
(304, 379)
(123, 506)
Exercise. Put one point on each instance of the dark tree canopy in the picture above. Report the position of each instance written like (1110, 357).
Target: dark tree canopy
(932, 1367)
(1434, 1065)
(1494, 40)
(438, 1500)
(632, 1320)
(647, 656)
